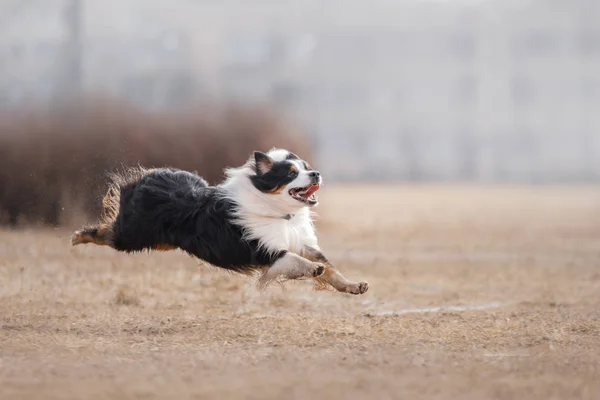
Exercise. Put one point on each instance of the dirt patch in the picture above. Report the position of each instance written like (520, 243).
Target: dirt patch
(474, 293)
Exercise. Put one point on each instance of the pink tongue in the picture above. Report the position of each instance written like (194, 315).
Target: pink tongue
(311, 189)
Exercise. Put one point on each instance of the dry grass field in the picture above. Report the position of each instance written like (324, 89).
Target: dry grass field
(475, 293)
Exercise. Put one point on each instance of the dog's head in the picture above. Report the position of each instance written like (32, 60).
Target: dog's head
(284, 176)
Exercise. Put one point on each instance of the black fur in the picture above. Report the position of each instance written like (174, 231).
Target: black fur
(292, 156)
(177, 208)
(279, 173)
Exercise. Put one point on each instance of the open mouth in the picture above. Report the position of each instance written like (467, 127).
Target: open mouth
(306, 194)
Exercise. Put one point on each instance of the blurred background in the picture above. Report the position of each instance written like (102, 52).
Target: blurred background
(484, 91)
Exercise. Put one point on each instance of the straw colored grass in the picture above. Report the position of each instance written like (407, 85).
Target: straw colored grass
(89, 323)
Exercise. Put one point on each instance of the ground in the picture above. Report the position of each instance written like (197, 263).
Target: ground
(475, 292)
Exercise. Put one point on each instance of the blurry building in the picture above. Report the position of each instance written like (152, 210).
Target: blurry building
(503, 90)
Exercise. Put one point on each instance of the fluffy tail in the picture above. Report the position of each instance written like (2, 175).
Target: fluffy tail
(120, 183)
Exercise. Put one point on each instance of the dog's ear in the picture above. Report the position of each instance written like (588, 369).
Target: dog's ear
(264, 163)
(292, 156)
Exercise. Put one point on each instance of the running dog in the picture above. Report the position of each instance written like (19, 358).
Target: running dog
(257, 219)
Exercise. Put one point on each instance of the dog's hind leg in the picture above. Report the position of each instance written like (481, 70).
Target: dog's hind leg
(331, 275)
(291, 266)
(101, 235)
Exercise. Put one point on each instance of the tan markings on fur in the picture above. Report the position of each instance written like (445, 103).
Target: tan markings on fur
(332, 276)
(307, 166)
(164, 247)
(80, 238)
(103, 230)
(102, 236)
(290, 266)
(294, 168)
(277, 190)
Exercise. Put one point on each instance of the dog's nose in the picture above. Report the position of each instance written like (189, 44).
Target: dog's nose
(314, 174)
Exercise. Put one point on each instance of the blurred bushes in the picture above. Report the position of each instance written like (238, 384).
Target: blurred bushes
(54, 161)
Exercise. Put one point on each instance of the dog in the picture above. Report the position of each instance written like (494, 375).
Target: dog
(258, 218)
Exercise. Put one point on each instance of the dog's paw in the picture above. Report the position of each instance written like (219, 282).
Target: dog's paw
(76, 238)
(318, 271)
(357, 288)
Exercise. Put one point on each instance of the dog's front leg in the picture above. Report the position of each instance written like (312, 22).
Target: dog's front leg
(332, 276)
(291, 266)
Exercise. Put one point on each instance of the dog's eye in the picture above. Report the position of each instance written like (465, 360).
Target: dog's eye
(292, 173)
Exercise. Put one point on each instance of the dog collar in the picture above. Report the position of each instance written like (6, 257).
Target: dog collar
(288, 217)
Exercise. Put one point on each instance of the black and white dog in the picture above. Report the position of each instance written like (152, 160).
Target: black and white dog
(258, 219)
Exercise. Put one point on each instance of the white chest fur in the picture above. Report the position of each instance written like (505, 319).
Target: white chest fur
(260, 214)
(276, 234)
